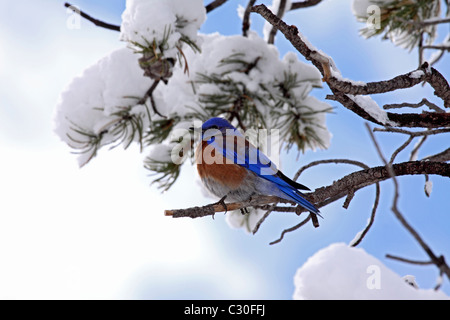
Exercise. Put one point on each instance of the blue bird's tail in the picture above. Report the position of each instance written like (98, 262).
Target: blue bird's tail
(296, 196)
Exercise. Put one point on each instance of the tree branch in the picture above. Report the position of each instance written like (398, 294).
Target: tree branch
(291, 229)
(411, 120)
(325, 195)
(280, 13)
(304, 4)
(363, 178)
(211, 209)
(403, 81)
(149, 94)
(424, 101)
(246, 18)
(350, 195)
(443, 156)
(340, 87)
(97, 22)
(431, 22)
(438, 261)
(213, 5)
(423, 263)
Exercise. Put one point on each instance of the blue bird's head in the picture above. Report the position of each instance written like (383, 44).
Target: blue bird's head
(218, 124)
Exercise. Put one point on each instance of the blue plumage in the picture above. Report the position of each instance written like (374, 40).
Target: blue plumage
(226, 139)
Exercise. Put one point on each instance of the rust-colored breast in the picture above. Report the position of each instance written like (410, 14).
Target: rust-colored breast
(230, 175)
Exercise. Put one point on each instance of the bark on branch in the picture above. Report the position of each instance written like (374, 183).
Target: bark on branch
(211, 209)
(325, 195)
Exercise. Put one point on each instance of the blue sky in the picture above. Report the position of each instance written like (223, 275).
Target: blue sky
(99, 232)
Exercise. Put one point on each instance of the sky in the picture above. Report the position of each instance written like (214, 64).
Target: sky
(99, 232)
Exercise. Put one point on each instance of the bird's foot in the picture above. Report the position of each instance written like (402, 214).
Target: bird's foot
(222, 203)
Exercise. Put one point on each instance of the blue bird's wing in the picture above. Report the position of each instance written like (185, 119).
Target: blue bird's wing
(236, 149)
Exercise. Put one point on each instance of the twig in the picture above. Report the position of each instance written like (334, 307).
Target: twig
(403, 146)
(413, 133)
(280, 13)
(361, 236)
(351, 193)
(431, 22)
(246, 18)
(215, 4)
(290, 230)
(438, 261)
(149, 94)
(97, 22)
(315, 163)
(411, 120)
(416, 148)
(304, 4)
(260, 221)
(424, 101)
(437, 47)
(439, 281)
(348, 199)
(423, 263)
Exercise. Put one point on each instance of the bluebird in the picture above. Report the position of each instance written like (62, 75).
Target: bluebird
(231, 167)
